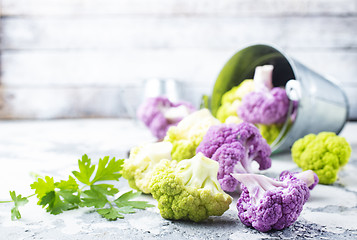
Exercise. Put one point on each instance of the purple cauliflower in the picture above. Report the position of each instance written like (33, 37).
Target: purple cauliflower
(265, 105)
(235, 147)
(267, 204)
(159, 114)
(309, 177)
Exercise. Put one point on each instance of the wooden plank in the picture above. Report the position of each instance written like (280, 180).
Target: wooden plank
(130, 67)
(177, 32)
(49, 103)
(103, 68)
(45, 103)
(178, 7)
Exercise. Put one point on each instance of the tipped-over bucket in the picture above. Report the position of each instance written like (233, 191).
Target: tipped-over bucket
(321, 104)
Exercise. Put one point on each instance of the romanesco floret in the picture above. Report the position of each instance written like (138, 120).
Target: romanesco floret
(267, 204)
(324, 153)
(138, 168)
(231, 100)
(189, 189)
(187, 135)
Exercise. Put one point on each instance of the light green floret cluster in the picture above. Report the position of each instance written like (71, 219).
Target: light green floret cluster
(138, 168)
(324, 153)
(187, 135)
(231, 101)
(270, 132)
(189, 189)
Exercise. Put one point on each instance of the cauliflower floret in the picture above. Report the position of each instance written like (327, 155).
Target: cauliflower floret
(267, 204)
(188, 134)
(270, 132)
(231, 100)
(265, 105)
(189, 189)
(309, 177)
(235, 147)
(324, 153)
(139, 167)
(159, 113)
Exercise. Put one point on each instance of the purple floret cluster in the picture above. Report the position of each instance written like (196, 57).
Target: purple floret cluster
(235, 147)
(310, 182)
(153, 114)
(265, 107)
(267, 204)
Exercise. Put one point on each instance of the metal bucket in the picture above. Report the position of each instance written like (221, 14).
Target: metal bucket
(322, 104)
(167, 87)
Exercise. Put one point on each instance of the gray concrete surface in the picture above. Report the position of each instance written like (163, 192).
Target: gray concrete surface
(53, 147)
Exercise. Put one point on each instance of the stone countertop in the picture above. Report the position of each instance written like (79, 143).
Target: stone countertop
(53, 147)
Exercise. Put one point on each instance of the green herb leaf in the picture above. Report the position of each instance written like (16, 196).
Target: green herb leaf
(18, 201)
(57, 201)
(123, 201)
(42, 187)
(110, 213)
(129, 195)
(70, 197)
(53, 202)
(70, 184)
(64, 195)
(126, 209)
(86, 170)
(108, 170)
(106, 189)
(93, 198)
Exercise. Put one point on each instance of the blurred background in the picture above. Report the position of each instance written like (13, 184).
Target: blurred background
(90, 58)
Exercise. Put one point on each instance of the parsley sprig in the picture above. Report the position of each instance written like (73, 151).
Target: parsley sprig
(90, 187)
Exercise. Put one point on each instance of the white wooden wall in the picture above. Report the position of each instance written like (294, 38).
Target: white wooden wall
(88, 58)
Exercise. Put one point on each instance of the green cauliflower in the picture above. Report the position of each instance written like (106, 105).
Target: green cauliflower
(231, 100)
(324, 153)
(270, 132)
(138, 168)
(187, 135)
(189, 189)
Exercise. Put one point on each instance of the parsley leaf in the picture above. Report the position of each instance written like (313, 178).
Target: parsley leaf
(110, 213)
(123, 201)
(57, 201)
(70, 184)
(106, 189)
(93, 198)
(64, 195)
(126, 209)
(86, 170)
(53, 202)
(19, 201)
(108, 170)
(42, 187)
